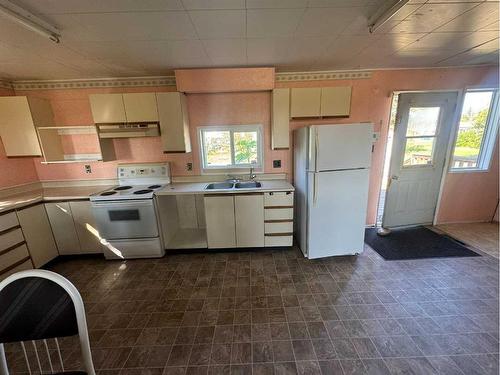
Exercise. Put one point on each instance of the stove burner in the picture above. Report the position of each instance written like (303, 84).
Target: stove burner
(154, 186)
(122, 188)
(143, 191)
(108, 193)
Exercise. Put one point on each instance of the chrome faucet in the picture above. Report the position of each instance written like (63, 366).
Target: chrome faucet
(251, 174)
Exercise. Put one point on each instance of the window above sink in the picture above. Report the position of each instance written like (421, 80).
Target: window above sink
(230, 148)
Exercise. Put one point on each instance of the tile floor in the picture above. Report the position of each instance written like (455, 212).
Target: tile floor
(274, 312)
(482, 236)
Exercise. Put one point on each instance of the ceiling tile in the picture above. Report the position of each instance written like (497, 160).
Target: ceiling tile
(306, 51)
(326, 21)
(226, 52)
(269, 23)
(454, 41)
(472, 57)
(339, 3)
(213, 4)
(126, 26)
(276, 4)
(474, 19)
(98, 6)
(431, 16)
(267, 51)
(213, 24)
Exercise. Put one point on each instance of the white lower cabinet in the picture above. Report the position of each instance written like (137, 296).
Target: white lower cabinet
(85, 226)
(73, 226)
(249, 216)
(219, 215)
(38, 234)
(63, 227)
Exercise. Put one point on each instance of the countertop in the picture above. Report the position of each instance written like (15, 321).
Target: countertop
(19, 200)
(199, 188)
(14, 201)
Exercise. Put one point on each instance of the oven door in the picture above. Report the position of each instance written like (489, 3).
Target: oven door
(125, 219)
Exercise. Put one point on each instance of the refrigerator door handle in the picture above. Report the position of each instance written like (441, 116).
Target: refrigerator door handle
(315, 193)
(316, 151)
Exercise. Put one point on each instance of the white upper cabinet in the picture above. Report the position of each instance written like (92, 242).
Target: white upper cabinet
(140, 107)
(174, 122)
(336, 101)
(306, 102)
(321, 102)
(107, 108)
(280, 120)
(19, 117)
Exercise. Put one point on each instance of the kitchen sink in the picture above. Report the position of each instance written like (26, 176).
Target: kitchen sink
(248, 185)
(219, 185)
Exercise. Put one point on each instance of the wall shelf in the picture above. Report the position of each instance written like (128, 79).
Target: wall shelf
(73, 144)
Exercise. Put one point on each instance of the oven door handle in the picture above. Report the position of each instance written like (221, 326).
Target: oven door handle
(128, 203)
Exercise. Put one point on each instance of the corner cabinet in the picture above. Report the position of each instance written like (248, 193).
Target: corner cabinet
(280, 119)
(73, 227)
(19, 118)
(320, 102)
(174, 122)
(38, 234)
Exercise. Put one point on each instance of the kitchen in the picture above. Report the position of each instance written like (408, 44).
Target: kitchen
(213, 215)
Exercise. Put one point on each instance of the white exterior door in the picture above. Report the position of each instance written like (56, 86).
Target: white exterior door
(422, 131)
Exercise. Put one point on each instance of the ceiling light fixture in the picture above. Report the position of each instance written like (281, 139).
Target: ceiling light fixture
(29, 20)
(385, 14)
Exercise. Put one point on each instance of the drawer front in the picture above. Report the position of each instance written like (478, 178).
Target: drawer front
(11, 238)
(278, 240)
(13, 256)
(278, 214)
(283, 227)
(22, 267)
(8, 221)
(278, 198)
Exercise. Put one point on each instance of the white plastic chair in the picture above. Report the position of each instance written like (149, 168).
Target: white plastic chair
(41, 305)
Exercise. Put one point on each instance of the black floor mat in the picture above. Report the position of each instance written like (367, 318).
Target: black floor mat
(415, 243)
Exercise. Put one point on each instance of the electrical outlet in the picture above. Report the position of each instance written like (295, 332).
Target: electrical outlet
(189, 166)
(276, 163)
(88, 169)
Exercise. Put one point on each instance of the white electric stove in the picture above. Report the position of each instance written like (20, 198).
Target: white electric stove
(126, 215)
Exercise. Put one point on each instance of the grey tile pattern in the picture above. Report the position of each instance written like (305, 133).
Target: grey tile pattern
(275, 312)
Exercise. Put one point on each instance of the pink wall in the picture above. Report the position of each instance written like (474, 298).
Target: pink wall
(15, 171)
(371, 99)
(470, 196)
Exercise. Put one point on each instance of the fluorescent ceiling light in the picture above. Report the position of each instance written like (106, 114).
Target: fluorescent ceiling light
(385, 14)
(29, 20)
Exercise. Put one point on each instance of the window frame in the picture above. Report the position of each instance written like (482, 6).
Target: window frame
(231, 129)
(488, 144)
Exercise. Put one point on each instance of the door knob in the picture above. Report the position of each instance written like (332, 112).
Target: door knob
(394, 177)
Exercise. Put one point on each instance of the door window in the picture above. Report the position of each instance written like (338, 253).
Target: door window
(420, 136)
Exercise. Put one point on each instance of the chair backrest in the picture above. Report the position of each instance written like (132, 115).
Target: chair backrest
(39, 304)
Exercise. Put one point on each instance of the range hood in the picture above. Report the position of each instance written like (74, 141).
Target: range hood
(128, 130)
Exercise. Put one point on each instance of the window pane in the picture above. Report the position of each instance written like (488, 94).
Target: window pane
(422, 121)
(471, 129)
(217, 148)
(245, 147)
(418, 151)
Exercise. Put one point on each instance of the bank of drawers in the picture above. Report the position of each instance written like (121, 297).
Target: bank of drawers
(14, 255)
(278, 218)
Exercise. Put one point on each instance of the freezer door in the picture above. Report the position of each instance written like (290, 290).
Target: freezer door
(337, 212)
(334, 147)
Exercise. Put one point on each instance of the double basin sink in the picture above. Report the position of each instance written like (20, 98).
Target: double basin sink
(233, 185)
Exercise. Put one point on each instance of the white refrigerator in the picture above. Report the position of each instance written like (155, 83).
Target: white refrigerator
(331, 175)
